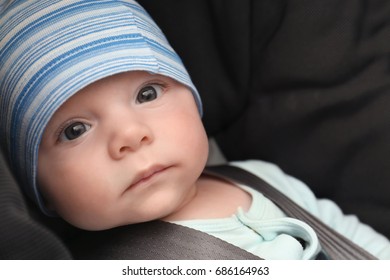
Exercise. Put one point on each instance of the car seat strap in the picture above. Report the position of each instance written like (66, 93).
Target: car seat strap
(154, 240)
(334, 245)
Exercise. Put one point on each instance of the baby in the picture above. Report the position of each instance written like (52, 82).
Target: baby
(102, 126)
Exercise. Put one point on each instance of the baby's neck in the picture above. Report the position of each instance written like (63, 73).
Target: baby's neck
(212, 199)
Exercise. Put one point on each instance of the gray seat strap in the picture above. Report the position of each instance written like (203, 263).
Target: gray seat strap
(334, 245)
(155, 240)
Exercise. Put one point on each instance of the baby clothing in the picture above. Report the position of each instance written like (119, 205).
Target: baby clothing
(265, 231)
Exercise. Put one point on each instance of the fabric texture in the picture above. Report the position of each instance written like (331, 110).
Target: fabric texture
(51, 49)
(22, 237)
(265, 231)
(144, 241)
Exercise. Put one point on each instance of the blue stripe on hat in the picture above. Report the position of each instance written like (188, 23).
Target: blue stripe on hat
(50, 49)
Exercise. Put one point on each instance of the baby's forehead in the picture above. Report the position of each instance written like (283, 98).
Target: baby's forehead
(130, 82)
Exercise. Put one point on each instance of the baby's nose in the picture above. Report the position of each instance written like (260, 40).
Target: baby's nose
(128, 137)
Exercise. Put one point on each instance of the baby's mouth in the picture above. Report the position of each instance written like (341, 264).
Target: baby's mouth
(147, 174)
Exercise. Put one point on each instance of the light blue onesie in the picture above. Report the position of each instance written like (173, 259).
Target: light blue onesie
(265, 231)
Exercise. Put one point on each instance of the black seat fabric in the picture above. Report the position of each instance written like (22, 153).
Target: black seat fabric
(21, 236)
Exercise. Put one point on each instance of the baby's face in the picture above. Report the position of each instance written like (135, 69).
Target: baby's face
(126, 149)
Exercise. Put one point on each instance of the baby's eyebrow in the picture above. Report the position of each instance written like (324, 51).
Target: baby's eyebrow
(56, 122)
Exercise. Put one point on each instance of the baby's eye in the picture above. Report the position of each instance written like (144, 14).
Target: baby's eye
(149, 93)
(73, 131)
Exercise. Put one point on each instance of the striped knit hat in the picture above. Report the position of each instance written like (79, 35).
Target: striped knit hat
(50, 49)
